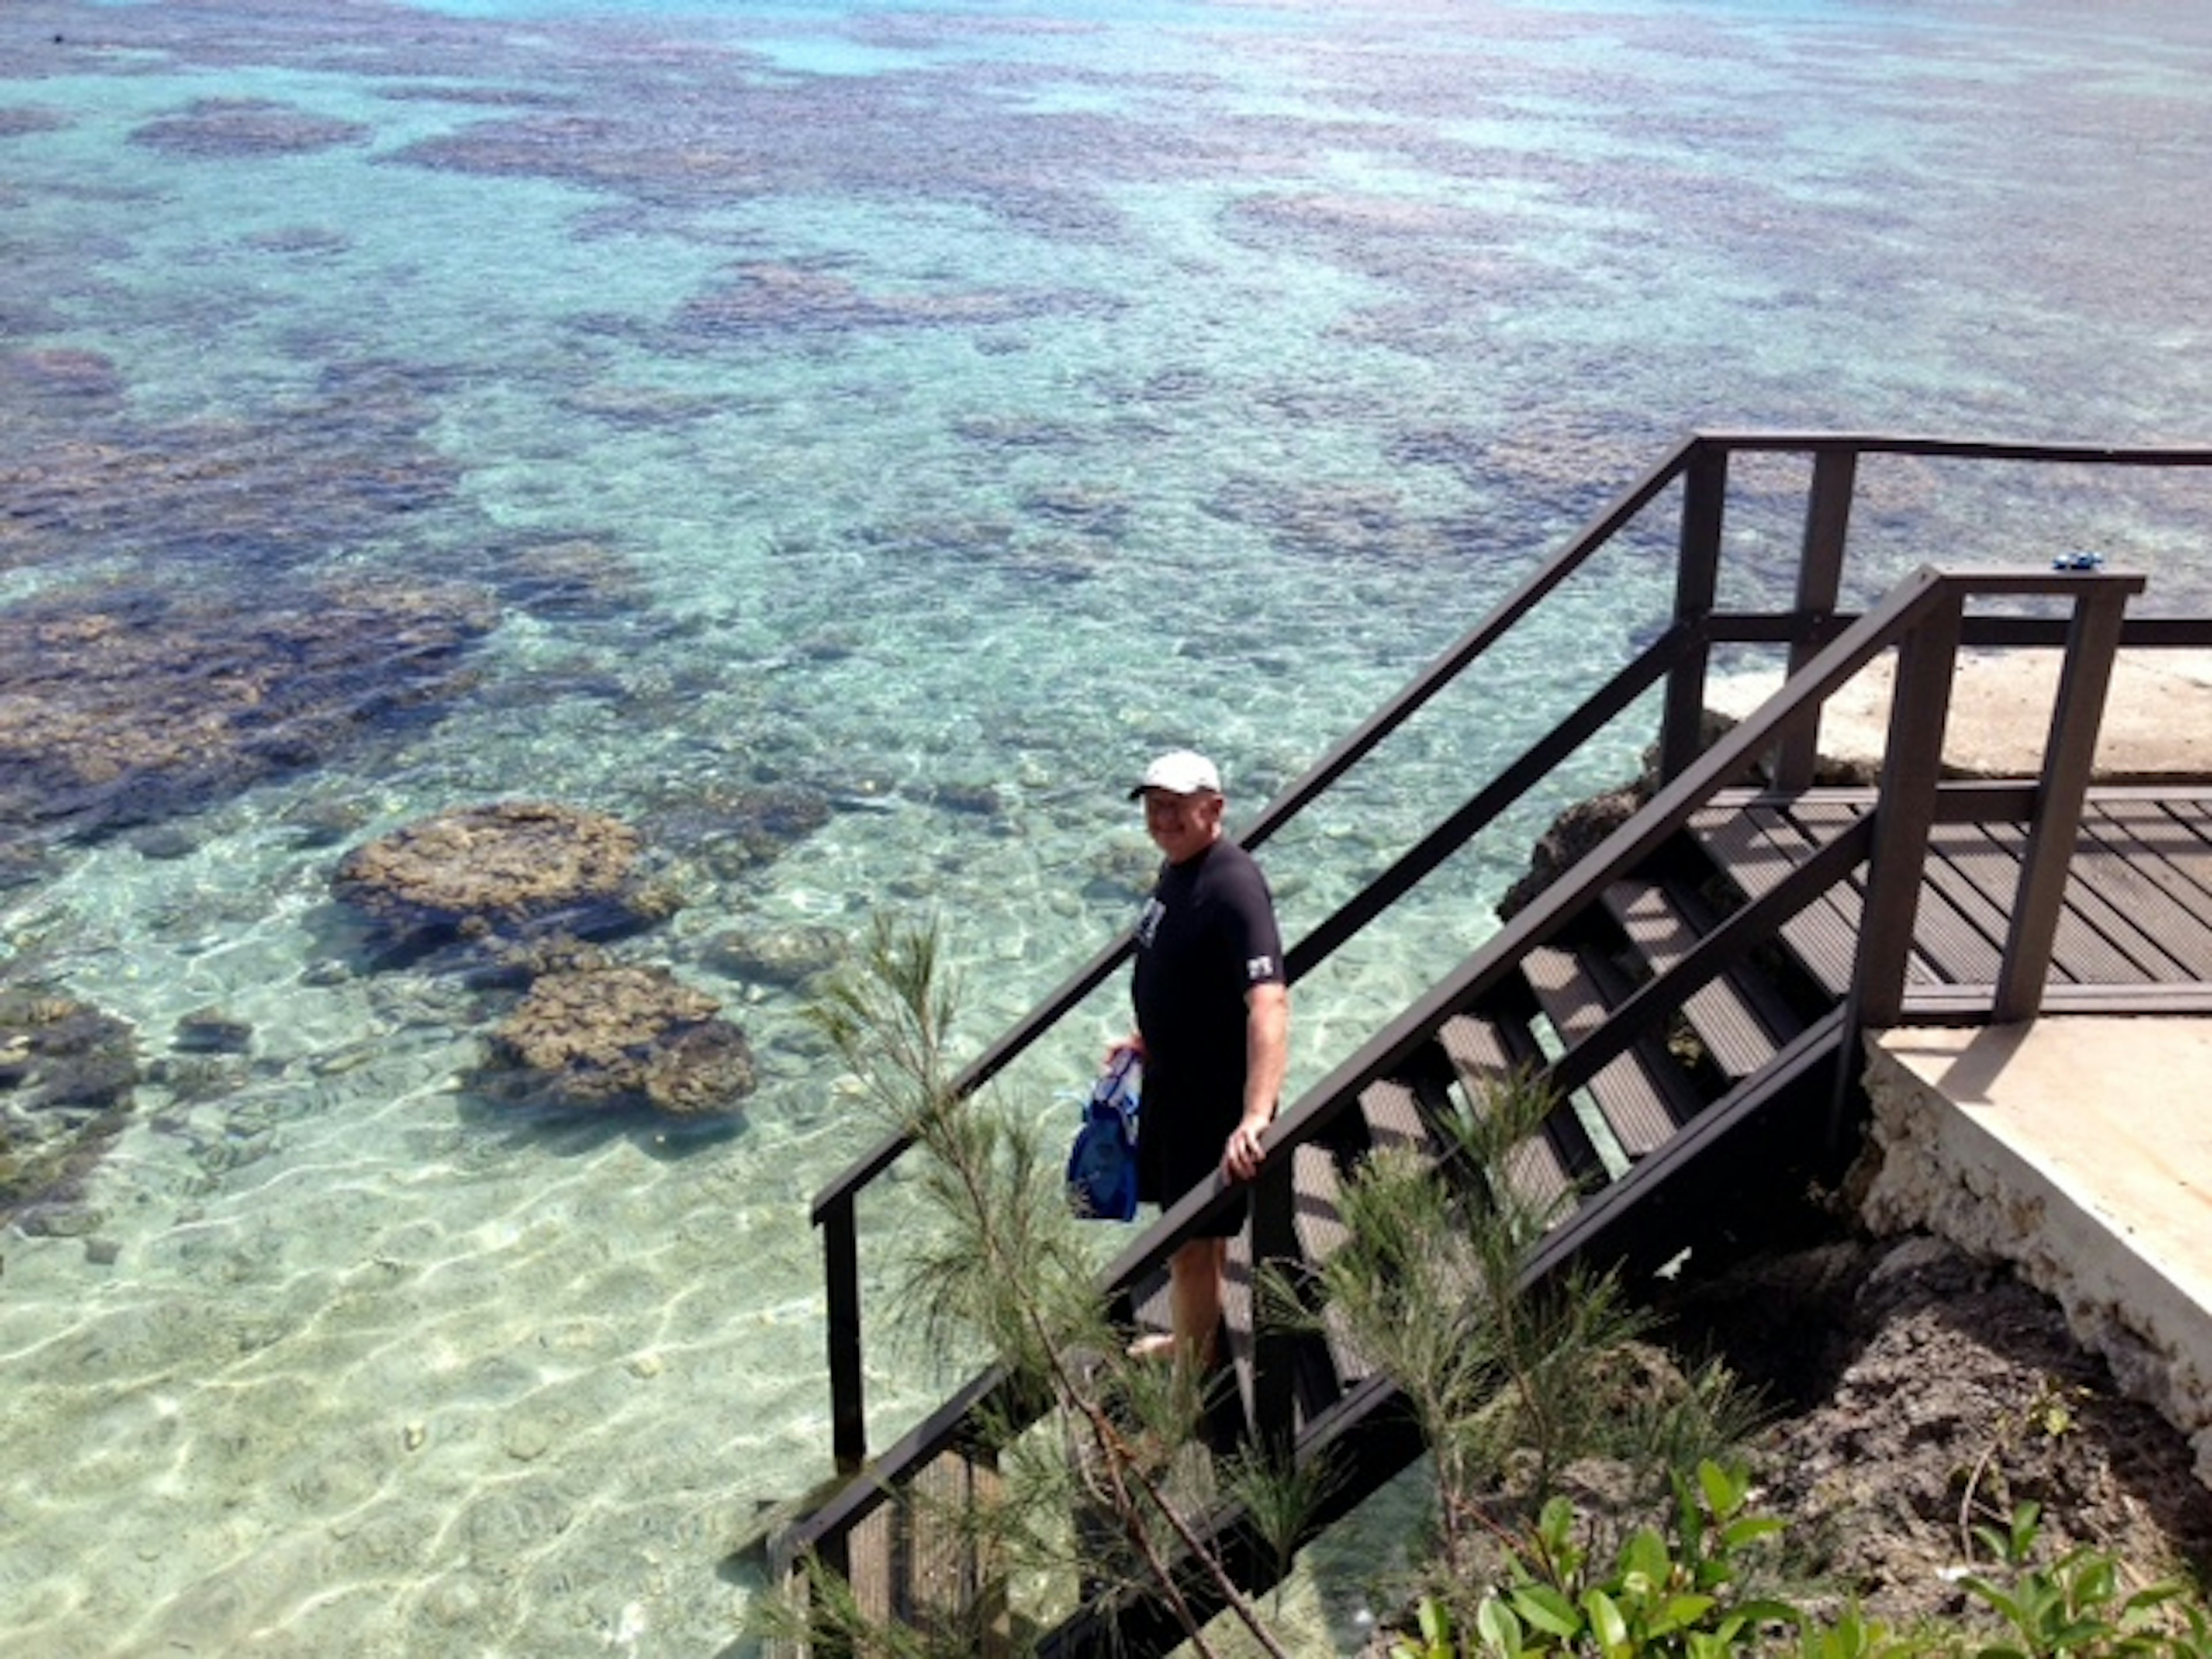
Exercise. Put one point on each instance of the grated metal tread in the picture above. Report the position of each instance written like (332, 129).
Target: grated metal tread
(1644, 1094)
(1546, 1172)
(1740, 1036)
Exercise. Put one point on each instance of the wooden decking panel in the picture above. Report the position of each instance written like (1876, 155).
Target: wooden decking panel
(2137, 911)
(1823, 935)
(1949, 947)
(2131, 863)
(2100, 942)
(1976, 882)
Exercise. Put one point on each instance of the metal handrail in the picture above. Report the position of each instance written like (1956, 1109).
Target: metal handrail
(1680, 657)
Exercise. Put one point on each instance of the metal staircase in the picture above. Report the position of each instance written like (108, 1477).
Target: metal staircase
(1693, 990)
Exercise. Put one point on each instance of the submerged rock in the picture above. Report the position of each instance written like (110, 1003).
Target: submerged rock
(791, 957)
(734, 830)
(211, 1031)
(67, 1074)
(498, 873)
(611, 1037)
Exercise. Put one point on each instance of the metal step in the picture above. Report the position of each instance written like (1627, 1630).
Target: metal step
(1547, 1171)
(1644, 1094)
(1738, 1019)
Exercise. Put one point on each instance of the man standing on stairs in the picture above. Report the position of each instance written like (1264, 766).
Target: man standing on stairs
(1213, 1024)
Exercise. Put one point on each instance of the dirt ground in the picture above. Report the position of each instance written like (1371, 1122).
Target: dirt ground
(1915, 1391)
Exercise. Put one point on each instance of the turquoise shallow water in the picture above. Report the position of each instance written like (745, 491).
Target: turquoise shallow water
(920, 414)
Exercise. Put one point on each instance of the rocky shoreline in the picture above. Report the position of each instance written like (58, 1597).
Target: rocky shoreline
(1917, 1390)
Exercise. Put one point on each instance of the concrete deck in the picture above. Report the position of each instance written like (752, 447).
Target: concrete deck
(2081, 1151)
(2157, 726)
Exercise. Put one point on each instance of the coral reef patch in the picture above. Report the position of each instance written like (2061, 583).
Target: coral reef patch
(609, 1038)
(62, 381)
(326, 473)
(121, 707)
(499, 873)
(214, 127)
(19, 120)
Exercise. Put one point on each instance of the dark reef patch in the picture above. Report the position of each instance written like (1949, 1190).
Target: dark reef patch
(212, 127)
(735, 828)
(1321, 521)
(474, 96)
(59, 382)
(67, 1077)
(282, 488)
(610, 1037)
(495, 876)
(576, 576)
(306, 240)
(766, 298)
(121, 707)
(643, 407)
(20, 120)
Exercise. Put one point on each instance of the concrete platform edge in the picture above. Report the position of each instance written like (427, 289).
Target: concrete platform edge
(2075, 1149)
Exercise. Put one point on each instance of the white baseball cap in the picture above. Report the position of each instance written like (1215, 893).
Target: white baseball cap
(1180, 772)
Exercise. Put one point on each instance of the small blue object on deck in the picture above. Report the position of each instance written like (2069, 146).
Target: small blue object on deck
(2077, 562)
(1102, 1167)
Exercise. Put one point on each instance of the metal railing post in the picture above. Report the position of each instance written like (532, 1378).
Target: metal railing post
(1820, 588)
(2092, 641)
(1275, 1250)
(1912, 765)
(1697, 582)
(841, 1272)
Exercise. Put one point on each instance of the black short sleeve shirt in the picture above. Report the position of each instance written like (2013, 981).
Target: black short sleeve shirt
(1205, 938)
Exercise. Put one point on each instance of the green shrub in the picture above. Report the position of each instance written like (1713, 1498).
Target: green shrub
(1687, 1593)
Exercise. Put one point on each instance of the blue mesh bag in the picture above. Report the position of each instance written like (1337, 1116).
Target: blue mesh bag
(1102, 1167)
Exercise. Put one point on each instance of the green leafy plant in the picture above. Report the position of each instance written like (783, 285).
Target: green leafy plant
(1687, 1592)
(1680, 1592)
(2075, 1605)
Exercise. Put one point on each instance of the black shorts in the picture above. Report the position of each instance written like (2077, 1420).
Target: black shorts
(1179, 1145)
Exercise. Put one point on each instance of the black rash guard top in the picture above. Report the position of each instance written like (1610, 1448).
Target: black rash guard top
(1207, 936)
